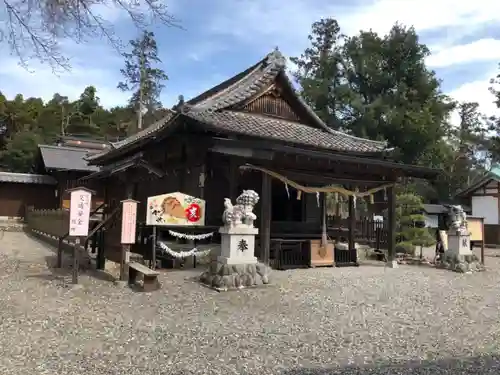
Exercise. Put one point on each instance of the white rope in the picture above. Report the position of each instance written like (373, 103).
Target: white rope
(182, 254)
(192, 237)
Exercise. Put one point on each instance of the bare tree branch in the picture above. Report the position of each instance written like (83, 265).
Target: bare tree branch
(33, 29)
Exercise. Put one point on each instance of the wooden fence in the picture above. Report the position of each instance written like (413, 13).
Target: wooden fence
(51, 222)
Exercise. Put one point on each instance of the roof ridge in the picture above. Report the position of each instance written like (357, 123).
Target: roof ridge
(269, 67)
(4, 173)
(151, 129)
(69, 148)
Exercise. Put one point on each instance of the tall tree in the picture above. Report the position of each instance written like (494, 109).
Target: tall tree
(393, 94)
(20, 149)
(380, 87)
(319, 71)
(494, 121)
(34, 29)
(141, 77)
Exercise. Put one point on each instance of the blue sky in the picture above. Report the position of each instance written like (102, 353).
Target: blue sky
(222, 37)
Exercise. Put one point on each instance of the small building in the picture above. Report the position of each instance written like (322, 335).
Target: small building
(252, 131)
(434, 215)
(20, 190)
(66, 162)
(484, 199)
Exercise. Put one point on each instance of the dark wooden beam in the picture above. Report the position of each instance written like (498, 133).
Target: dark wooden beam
(260, 144)
(324, 239)
(352, 223)
(265, 219)
(391, 235)
(242, 152)
(233, 175)
(327, 178)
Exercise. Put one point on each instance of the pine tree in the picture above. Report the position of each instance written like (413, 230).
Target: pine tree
(80, 119)
(141, 77)
(410, 221)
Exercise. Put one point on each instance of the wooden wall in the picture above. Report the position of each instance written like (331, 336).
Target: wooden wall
(14, 197)
(70, 179)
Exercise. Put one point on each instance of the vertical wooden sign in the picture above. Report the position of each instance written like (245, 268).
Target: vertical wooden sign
(79, 220)
(79, 212)
(129, 220)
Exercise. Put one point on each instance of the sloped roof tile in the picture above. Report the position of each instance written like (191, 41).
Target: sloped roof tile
(27, 178)
(66, 158)
(273, 128)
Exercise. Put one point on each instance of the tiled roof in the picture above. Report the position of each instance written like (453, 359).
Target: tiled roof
(66, 158)
(493, 174)
(272, 128)
(213, 104)
(435, 208)
(26, 178)
(258, 78)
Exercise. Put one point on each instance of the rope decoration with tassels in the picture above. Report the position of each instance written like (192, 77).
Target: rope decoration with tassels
(324, 189)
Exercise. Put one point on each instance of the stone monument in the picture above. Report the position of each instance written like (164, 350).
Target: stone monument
(459, 256)
(236, 266)
(458, 234)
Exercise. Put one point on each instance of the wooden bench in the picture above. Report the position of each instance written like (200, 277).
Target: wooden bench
(150, 276)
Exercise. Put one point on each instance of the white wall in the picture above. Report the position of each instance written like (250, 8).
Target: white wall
(486, 207)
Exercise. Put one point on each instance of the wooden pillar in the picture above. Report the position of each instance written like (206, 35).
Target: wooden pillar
(391, 223)
(101, 254)
(265, 218)
(183, 171)
(324, 238)
(352, 223)
(233, 179)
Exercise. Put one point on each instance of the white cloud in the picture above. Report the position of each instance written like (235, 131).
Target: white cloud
(477, 91)
(424, 14)
(41, 81)
(258, 21)
(264, 24)
(448, 20)
(479, 50)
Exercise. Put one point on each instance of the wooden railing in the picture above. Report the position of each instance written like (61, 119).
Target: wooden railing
(366, 230)
(95, 237)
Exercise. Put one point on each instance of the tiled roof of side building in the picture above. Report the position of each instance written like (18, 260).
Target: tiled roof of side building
(66, 158)
(27, 178)
(493, 174)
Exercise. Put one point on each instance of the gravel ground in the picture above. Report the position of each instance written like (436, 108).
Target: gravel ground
(366, 320)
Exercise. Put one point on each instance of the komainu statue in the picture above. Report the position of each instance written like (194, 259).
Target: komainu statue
(240, 214)
(457, 219)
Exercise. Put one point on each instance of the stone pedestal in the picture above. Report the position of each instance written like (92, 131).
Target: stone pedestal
(237, 245)
(459, 257)
(236, 266)
(459, 243)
